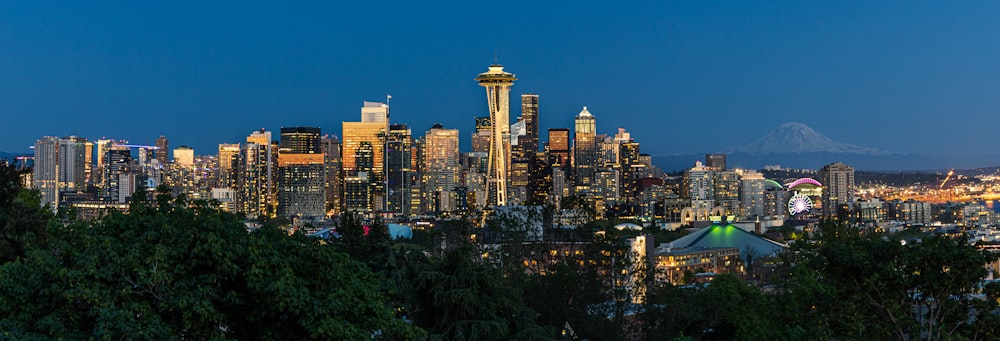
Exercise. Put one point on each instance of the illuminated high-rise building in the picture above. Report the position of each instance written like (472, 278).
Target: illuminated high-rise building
(119, 182)
(60, 166)
(584, 147)
(184, 156)
(558, 147)
(838, 187)
(357, 193)
(369, 136)
(529, 115)
(255, 175)
(228, 159)
(699, 186)
(715, 161)
(301, 140)
(440, 168)
(374, 112)
(633, 169)
(358, 185)
(301, 173)
(102, 146)
(560, 184)
(301, 184)
(400, 170)
(497, 83)
(727, 191)
(73, 163)
(541, 179)
(260, 137)
(607, 151)
(607, 184)
(776, 201)
(180, 174)
(752, 185)
(88, 163)
(524, 168)
(520, 166)
(162, 147)
(481, 135)
(334, 178)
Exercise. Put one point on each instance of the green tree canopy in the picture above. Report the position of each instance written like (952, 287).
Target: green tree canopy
(180, 270)
(22, 216)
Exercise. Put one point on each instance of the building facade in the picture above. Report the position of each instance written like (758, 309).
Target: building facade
(838, 191)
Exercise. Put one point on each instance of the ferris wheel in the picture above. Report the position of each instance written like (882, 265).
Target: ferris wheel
(799, 204)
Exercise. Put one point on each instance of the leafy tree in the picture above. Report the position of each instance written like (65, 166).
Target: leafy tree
(22, 217)
(461, 299)
(185, 270)
(916, 290)
(726, 309)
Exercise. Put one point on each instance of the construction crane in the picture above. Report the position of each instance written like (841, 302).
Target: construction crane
(950, 173)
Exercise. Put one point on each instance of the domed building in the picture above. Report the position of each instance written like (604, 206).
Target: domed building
(726, 235)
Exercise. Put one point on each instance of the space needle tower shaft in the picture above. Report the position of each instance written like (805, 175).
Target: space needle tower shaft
(497, 84)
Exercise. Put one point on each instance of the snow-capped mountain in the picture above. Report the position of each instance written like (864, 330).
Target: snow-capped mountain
(794, 137)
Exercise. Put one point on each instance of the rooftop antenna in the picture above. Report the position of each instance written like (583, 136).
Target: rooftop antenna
(496, 60)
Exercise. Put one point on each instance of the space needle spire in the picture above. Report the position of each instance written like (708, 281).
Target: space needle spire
(497, 83)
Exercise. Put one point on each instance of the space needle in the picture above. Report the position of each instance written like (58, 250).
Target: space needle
(497, 84)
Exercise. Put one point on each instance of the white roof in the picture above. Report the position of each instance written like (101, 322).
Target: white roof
(629, 226)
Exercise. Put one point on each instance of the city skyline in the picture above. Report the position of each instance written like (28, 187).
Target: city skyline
(879, 75)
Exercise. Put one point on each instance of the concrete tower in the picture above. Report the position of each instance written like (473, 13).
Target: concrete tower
(497, 84)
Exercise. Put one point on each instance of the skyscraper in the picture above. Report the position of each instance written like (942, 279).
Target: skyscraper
(440, 168)
(519, 177)
(301, 184)
(374, 112)
(727, 191)
(481, 136)
(524, 168)
(558, 147)
(367, 136)
(400, 169)
(118, 180)
(752, 185)
(584, 147)
(45, 173)
(838, 187)
(60, 166)
(162, 147)
(301, 140)
(715, 161)
(497, 84)
(630, 160)
(699, 186)
(529, 114)
(301, 178)
(184, 156)
(228, 157)
(334, 178)
(255, 175)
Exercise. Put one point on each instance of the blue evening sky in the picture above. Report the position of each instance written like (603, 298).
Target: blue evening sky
(692, 76)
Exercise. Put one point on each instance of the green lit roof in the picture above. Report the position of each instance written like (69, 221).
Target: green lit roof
(719, 235)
